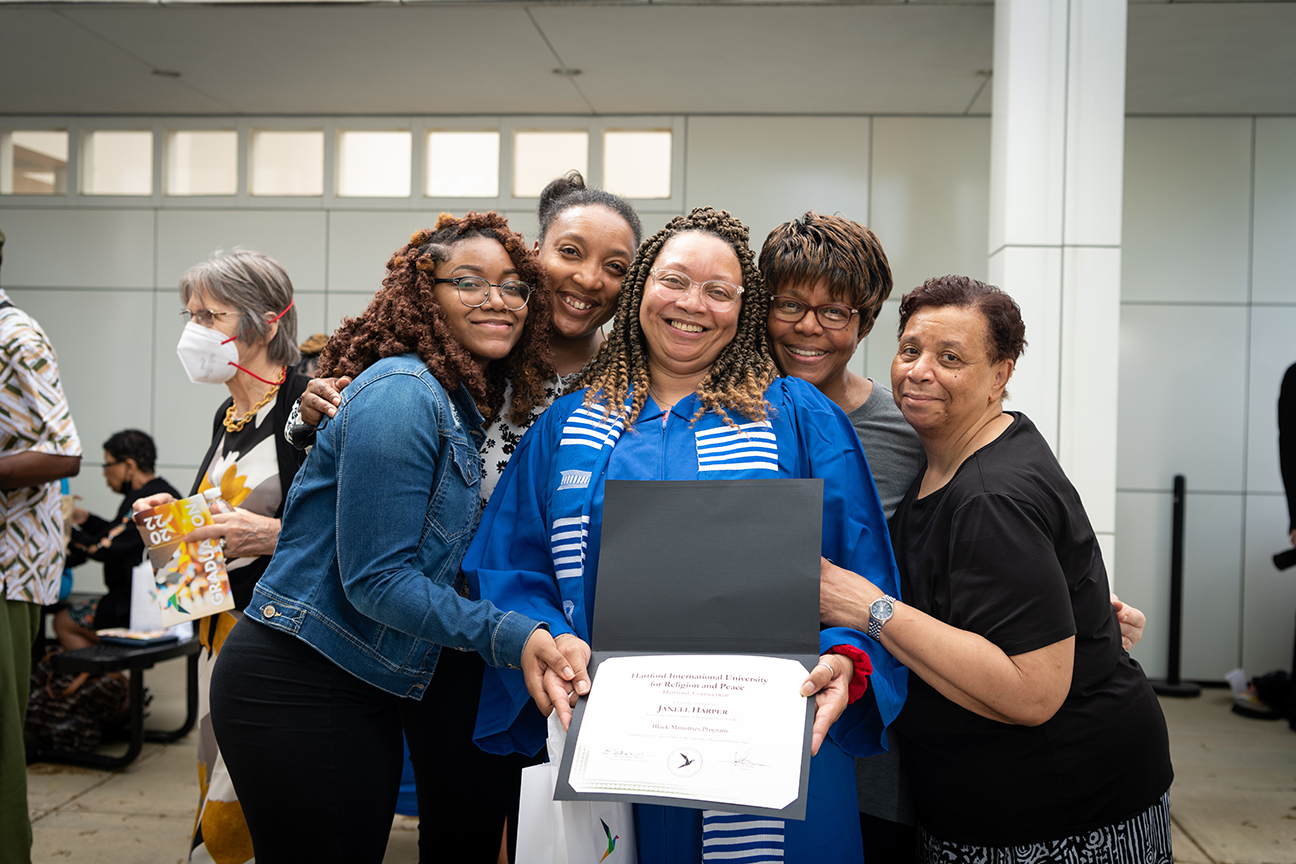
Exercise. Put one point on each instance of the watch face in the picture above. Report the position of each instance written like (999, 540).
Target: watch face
(880, 609)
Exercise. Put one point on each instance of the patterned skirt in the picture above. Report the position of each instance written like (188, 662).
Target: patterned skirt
(1141, 839)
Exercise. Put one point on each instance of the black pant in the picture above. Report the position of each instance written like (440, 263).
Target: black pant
(315, 755)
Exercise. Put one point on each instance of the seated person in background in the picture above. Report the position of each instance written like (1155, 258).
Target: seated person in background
(128, 468)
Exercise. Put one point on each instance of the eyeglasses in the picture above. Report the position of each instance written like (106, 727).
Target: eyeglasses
(716, 295)
(107, 465)
(205, 317)
(474, 291)
(832, 316)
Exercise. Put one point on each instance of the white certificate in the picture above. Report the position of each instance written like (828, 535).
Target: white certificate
(715, 727)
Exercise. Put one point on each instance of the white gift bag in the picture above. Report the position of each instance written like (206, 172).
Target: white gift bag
(145, 614)
(567, 832)
(144, 611)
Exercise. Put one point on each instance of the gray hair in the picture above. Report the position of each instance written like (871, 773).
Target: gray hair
(258, 288)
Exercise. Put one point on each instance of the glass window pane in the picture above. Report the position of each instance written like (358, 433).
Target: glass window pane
(33, 163)
(202, 163)
(118, 163)
(637, 164)
(286, 163)
(374, 164)
(539, 157)
(463, 164)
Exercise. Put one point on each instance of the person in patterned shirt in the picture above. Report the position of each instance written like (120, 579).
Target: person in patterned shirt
(38, 447)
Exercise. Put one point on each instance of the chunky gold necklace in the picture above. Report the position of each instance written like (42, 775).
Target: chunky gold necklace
(232, 425)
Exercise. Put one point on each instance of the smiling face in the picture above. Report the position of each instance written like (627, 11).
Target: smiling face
(943, 378)
(586, 251)
(806, 349)
(489, 331)
(685, 336)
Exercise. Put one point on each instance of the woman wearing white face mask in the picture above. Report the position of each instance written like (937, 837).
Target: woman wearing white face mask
(241, 332)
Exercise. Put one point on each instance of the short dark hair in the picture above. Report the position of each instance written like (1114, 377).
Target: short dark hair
(834, 248)
(569, 190)
(1005, 330)
(133, 444)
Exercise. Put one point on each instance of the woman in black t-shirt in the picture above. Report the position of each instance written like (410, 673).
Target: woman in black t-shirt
(1030, 734)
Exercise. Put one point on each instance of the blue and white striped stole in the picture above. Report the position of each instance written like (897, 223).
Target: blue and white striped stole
(738, 838)
(748, 447)
(584, 448)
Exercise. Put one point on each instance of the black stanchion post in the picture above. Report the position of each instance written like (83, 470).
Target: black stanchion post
(1173, 686)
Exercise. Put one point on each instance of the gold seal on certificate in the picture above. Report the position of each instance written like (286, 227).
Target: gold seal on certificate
(714, 727)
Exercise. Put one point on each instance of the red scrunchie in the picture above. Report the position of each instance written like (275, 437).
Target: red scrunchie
(863, 669)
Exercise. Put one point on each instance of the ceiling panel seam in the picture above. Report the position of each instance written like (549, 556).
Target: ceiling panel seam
(561, 63)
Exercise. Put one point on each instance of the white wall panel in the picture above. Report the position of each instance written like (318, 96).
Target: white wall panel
(1273, 279)
(295, 238)
(360, 243)
(1212, 593)
(1273, 349)
(931, 196)
(343, 305)
(77, 248)
(1143, 550)
(1270, 605)
(312, 314)
(767, 170)
(1181, 397)
(1187, 209)
(105, 357)
(1095, 126)
(1033, 277)
(1090, 373)
(1212, 578)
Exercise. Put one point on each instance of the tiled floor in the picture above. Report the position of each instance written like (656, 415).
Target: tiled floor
(1233, 800)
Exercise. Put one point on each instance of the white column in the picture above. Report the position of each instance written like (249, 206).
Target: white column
(1056, 176)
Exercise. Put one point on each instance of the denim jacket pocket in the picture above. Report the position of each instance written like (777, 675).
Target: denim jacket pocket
(456, 497)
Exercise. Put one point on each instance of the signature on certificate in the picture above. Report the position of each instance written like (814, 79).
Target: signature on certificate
(743, 762)
(625, 755)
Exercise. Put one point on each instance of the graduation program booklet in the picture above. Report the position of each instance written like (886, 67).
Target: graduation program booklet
(190, 577)
(706, 623)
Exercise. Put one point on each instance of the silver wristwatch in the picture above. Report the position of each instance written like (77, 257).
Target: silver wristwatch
(880, 612)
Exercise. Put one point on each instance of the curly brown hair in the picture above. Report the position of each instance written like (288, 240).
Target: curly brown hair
(404, 316)
(740, 375)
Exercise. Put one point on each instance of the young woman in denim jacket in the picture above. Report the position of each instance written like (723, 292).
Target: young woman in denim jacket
(339, 644)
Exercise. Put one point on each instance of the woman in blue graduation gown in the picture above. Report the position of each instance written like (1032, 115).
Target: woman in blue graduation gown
(685, 389)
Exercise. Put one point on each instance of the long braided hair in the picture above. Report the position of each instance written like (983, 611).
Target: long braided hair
(404, 316)
(740, 375)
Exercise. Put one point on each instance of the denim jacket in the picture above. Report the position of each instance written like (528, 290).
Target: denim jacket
(374, 529)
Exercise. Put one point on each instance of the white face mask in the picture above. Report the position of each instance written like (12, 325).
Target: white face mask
(208, 356)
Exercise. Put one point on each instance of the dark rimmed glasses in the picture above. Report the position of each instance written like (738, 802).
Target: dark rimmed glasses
(831, 316)
(716, 295)
(474, 291)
